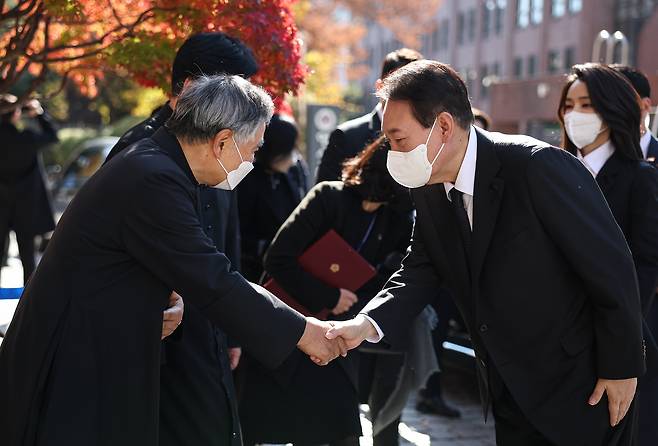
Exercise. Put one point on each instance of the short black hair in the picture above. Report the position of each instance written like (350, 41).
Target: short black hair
(280, 139)
(431, 88)
(637, 79)
(210, 54)
(397, 59)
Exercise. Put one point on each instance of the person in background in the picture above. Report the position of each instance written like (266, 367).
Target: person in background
(24, 201)
(481, 119)
(648, 143)
(198, 397)
(270, 193)
(321, 405)
(600, 116)
(352, 136)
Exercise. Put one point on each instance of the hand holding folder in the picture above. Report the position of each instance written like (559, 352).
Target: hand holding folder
(333, 261)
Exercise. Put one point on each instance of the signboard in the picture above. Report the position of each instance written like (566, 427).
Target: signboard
(321, 120)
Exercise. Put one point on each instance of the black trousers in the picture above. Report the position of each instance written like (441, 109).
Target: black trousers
(25, 249)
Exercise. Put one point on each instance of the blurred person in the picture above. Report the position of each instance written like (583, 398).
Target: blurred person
(24, 200)
(521, 234)
(197, 381)
(352, 136)
(80, 362)
(270, 193)
(308, 405)
(600, 117)
(648, 143)
(481, 119)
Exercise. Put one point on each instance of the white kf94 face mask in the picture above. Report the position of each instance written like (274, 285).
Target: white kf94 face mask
(582, 128)
(234, 177)
(412, 169)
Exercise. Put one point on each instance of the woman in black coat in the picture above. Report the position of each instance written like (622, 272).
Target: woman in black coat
(269, 194)
(600, 116)
(301, 402)
(24, 201)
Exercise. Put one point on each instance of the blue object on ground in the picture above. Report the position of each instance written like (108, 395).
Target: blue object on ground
(10, 293)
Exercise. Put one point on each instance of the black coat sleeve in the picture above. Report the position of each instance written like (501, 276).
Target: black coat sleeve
(47, 133)
(331, 165)
(161, 230)
(575, 214)
(314, 216)
(233, 233)
(643, 238)
(407, 292)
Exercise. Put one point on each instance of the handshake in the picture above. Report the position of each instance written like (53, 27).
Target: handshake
(325, 341)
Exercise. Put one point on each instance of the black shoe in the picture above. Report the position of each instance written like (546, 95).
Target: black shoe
(437, 406)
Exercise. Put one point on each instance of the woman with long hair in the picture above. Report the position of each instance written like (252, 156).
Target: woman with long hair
(600, 115)
(302, 403)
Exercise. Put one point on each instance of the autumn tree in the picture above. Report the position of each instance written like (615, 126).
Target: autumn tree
(81, 40)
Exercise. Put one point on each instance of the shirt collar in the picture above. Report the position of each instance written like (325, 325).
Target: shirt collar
(465, 181)
(644, 143)
(168, 142)
(596, 159)
(380, 111)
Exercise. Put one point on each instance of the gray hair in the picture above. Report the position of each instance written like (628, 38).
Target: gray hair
(209, 104)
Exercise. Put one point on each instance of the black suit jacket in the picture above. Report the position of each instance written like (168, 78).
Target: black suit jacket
(549, 295)
(346, 142)
(631, 190)
(80, 364)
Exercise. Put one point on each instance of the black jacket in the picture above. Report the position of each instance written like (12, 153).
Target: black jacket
(80, 364)
(549, 295)
(24, 199)
(652, 153)
(195, 358)
(266, 200)
(346, 142)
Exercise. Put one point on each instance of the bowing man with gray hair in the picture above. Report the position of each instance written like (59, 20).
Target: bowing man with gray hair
(81, 359)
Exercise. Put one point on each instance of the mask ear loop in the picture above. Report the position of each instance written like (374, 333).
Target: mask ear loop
(238, 149)
(428, 140)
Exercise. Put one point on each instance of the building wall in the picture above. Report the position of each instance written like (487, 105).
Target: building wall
(497, 62)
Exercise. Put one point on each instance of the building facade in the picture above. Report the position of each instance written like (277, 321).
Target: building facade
(513, 54)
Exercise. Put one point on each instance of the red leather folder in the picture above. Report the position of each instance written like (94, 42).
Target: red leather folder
(333, 261)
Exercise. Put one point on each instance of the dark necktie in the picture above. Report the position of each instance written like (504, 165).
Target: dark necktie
(457, 204)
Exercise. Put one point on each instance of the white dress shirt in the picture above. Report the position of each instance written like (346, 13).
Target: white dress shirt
(644, 143)
(465, 183)
(596, 159)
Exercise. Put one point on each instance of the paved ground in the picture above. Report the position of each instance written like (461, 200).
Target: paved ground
(415, 429)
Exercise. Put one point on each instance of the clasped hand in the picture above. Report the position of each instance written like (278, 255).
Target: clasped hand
(325, 341)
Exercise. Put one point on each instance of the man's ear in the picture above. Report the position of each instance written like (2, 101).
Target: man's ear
(446, 124)
(220, 140)
(646, 105)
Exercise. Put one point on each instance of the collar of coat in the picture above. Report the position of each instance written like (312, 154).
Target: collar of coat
(169, 144)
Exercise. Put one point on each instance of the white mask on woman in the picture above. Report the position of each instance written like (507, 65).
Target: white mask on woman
(412, 169)
(234, 177)
(582, 128)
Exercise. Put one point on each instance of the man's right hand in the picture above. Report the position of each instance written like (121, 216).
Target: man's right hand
(353, 332)
(316, 345)
(345, 302)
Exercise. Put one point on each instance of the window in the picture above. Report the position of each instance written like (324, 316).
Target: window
(569, 58)
(518, 68)
(487, 9)
(460, 28)
(537, 11)
(445, 39)
(532, 66)
(553, 62)
(500, 15)
(523, 13)
(558, 8)
(484, 82)
(575, 5)
(471, 25)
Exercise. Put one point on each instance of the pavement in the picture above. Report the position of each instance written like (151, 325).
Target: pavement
(460, 390)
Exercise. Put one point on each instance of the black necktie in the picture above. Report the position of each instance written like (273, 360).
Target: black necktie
(457, 199)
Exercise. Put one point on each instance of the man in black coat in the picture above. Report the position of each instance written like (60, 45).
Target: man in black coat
(352, 136)
(197, 382)
(541, 273)
(649, 145)
(24, 201)
(80, 362)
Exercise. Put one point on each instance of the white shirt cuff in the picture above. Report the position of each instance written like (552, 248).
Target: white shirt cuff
(380, 333)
